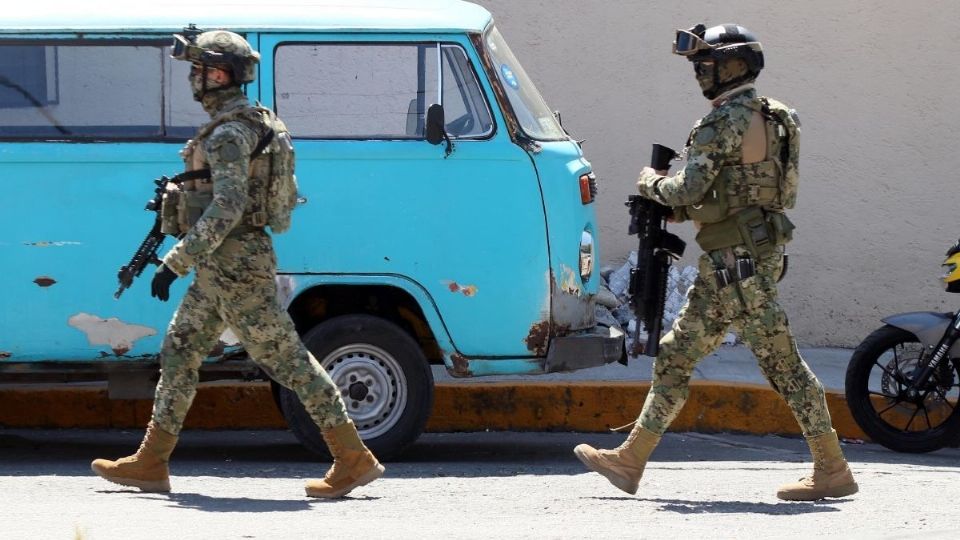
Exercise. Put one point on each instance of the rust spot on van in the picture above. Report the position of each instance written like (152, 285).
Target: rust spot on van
(4, 355)
(461, 366)
(467, 290)
(120, 351)
(44, 281)
(538, 338)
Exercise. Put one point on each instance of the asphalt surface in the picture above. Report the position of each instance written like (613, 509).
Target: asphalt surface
(243, 484)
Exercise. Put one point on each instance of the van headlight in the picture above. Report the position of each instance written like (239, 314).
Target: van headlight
(586, 256)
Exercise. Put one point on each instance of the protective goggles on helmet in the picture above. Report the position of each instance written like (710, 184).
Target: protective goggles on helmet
(185, 48)
(689, 42)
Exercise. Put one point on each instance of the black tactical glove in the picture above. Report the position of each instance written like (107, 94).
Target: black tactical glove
(160, 286)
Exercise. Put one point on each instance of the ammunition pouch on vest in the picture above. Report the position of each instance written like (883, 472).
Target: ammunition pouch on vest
(738, 187)
(759, 231)
(188, 195)
(169, 213)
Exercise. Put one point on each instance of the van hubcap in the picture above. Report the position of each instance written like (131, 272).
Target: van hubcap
(372, 385)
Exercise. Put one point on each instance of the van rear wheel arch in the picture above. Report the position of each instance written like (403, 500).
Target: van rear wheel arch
(323, 302)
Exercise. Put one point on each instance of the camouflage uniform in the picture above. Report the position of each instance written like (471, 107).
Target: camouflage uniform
(234, 287)
(239, 179)
(749, 305)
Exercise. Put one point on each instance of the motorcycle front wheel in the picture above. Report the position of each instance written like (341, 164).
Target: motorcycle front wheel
(878, 377)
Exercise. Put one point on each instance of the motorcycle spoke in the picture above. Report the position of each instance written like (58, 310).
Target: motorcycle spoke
(880, 413)
(895, 376)
(926, 415)
(881, 394)
(896, 364)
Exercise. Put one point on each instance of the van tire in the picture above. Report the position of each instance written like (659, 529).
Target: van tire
(384, 378)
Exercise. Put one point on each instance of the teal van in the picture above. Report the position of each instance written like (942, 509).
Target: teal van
(445, 216)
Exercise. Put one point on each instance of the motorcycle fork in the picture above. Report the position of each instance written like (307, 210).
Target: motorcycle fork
(939, 355)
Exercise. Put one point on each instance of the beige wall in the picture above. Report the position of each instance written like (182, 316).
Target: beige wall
(874, 83)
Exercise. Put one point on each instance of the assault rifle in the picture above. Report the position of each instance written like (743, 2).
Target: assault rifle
(658, 248)
(147, 252)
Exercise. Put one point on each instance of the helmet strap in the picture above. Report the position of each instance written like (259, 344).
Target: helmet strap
(234, 82)
(716, 80)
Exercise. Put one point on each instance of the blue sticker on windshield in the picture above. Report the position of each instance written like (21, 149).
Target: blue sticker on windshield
(508, 76)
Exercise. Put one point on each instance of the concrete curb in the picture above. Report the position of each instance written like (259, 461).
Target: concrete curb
(587, 406)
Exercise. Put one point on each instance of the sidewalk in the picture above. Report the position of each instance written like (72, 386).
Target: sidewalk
(728, 394)
(731, 363)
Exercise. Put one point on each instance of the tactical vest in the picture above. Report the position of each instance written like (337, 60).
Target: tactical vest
(746, 203)
(271, 188)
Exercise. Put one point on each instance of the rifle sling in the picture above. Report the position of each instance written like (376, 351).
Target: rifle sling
(204, 174)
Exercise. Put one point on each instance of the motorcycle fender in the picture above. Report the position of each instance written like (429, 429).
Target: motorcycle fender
(928, 326)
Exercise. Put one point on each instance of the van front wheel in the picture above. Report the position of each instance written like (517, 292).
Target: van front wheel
(383, 377)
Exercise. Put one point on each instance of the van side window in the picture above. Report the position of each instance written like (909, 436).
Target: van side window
(375, 90)
(465, 109)
(94, 89)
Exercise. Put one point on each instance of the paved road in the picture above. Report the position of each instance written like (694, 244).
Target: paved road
(485, 485)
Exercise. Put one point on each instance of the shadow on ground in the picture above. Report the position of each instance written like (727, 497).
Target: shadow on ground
(680, 506)
(277, 454)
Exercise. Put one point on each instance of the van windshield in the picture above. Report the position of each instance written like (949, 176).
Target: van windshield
(535, 117)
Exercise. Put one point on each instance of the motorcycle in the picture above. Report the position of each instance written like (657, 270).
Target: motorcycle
(903, 380)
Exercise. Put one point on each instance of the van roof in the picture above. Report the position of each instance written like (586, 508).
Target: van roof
(54, 16)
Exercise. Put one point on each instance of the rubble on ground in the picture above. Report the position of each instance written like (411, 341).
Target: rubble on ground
(613, 306)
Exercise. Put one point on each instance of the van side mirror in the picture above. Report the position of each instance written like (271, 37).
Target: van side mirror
(436, 130)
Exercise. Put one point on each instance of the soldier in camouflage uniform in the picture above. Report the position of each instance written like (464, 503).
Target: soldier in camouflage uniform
(221, 213)
(741, 174)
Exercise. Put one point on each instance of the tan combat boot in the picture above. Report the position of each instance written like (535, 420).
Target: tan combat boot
(147, 469)
(353, 464)
(623, 466)
(831, 476)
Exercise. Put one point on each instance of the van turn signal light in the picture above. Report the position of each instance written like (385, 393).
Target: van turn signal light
(588, 188)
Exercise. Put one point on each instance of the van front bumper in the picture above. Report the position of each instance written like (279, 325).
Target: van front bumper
(596, 346)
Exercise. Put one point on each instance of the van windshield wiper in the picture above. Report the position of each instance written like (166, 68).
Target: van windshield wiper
(36, 103)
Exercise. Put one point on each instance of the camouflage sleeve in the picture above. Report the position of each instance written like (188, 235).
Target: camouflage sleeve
(228, 153)
(713, 143)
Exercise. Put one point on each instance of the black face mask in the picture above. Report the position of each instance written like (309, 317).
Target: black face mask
(706, 77)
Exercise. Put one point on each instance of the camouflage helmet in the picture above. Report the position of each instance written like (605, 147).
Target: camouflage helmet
(218, 48)
(736, 55)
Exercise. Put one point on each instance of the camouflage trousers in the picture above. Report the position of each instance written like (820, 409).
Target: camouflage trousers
(236, 289)
(751, 307)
